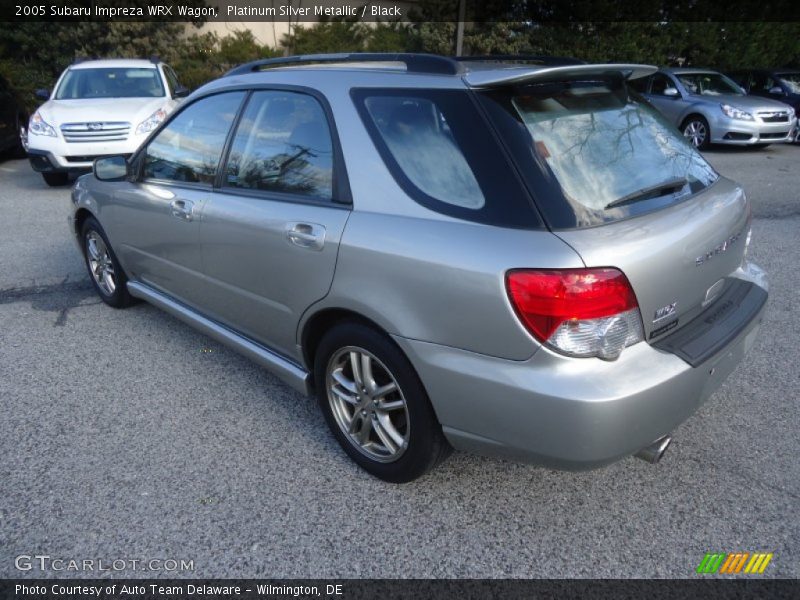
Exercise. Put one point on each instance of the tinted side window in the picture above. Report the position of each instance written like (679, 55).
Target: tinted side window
(282, 144)
(443, 153)
(420, 139)
(188, 149)
(660, 83)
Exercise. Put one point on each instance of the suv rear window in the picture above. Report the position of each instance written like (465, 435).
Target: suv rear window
(442, 152)
(603, 153)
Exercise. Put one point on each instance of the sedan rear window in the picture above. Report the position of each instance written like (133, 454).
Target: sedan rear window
(612, 155)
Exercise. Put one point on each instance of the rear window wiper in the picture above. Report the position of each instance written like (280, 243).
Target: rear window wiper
(653, 191)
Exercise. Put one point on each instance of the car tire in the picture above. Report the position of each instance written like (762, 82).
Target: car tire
(376, 405)
(55, 179)
(697, 132)
(108, 278)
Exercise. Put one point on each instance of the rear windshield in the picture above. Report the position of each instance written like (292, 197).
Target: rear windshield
(593, 153)
(110, 83)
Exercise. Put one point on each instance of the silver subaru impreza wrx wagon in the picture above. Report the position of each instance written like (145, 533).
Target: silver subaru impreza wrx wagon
(517, 259)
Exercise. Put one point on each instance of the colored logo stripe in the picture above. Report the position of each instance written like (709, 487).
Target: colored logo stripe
(710, 563)
(734, 562)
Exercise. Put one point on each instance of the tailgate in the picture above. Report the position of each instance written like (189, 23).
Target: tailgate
(673, 257)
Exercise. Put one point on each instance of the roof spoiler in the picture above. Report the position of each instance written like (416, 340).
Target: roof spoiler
(484, 79)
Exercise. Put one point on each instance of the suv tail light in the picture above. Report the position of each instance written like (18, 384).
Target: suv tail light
(578, 312)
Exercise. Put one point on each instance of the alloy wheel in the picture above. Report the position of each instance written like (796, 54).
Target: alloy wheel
(696, 133)
(367, 404)
(100, 264)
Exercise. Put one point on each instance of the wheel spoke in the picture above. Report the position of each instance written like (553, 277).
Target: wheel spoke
(388, 427)
(355, 364)
(384, 390)
(384, 436)
(392, 405)
(92, 247)
(362, 435)
(343, 381)
(367, 379)
(345, 395)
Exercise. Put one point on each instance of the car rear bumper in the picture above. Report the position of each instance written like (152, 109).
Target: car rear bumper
(571, 413)
(747, 133)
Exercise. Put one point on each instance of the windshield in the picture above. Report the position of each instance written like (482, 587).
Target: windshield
(709, 84)
(612, 155)
(110, 83)
(792, 81)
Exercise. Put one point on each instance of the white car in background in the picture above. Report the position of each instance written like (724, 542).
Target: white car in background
(99, 108)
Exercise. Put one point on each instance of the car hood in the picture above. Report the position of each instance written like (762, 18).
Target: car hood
(748, 103)
(132, 110)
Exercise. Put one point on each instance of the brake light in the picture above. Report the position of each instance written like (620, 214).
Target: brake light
(579, 312)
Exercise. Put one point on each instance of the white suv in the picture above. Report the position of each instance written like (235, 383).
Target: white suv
(99, 108)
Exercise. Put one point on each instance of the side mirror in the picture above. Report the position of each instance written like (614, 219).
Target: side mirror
(671, 92)
(110, 168)
(181, 92)
(42, 94)
(776, 91)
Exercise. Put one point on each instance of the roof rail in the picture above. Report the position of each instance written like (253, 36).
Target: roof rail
(415, 63)
(539, 59)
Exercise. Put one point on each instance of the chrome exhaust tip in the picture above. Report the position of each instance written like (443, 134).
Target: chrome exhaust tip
(653, 453)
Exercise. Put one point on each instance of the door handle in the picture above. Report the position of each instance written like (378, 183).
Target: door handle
(306, 235)
(182, 209)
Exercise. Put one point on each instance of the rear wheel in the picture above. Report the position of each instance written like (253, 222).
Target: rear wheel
(696, 131)
(107, 275)
(55, 179)
(375, 404)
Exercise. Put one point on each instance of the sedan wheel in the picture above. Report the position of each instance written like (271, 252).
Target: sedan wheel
(368, 404)
(696, 132)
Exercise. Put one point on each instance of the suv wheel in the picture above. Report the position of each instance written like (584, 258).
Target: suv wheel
(55, 179)
(107, 275)
(375, 404)
(696, 130)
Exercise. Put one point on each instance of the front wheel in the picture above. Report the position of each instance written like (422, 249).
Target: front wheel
(375, 404)
(696, 131)
(107, 275)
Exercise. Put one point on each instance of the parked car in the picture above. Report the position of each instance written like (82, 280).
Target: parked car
(512, 260)
(99, 108)
(709, 108)
(779, 84)
(13, 118)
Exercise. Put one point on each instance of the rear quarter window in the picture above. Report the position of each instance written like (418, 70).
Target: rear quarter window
(444, 155)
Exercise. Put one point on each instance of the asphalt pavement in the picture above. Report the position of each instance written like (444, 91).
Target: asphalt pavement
(126, 435)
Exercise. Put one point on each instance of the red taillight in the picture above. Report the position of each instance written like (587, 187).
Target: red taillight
(545, 299)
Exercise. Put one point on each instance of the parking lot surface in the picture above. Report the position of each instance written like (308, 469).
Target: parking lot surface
(127, 435)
